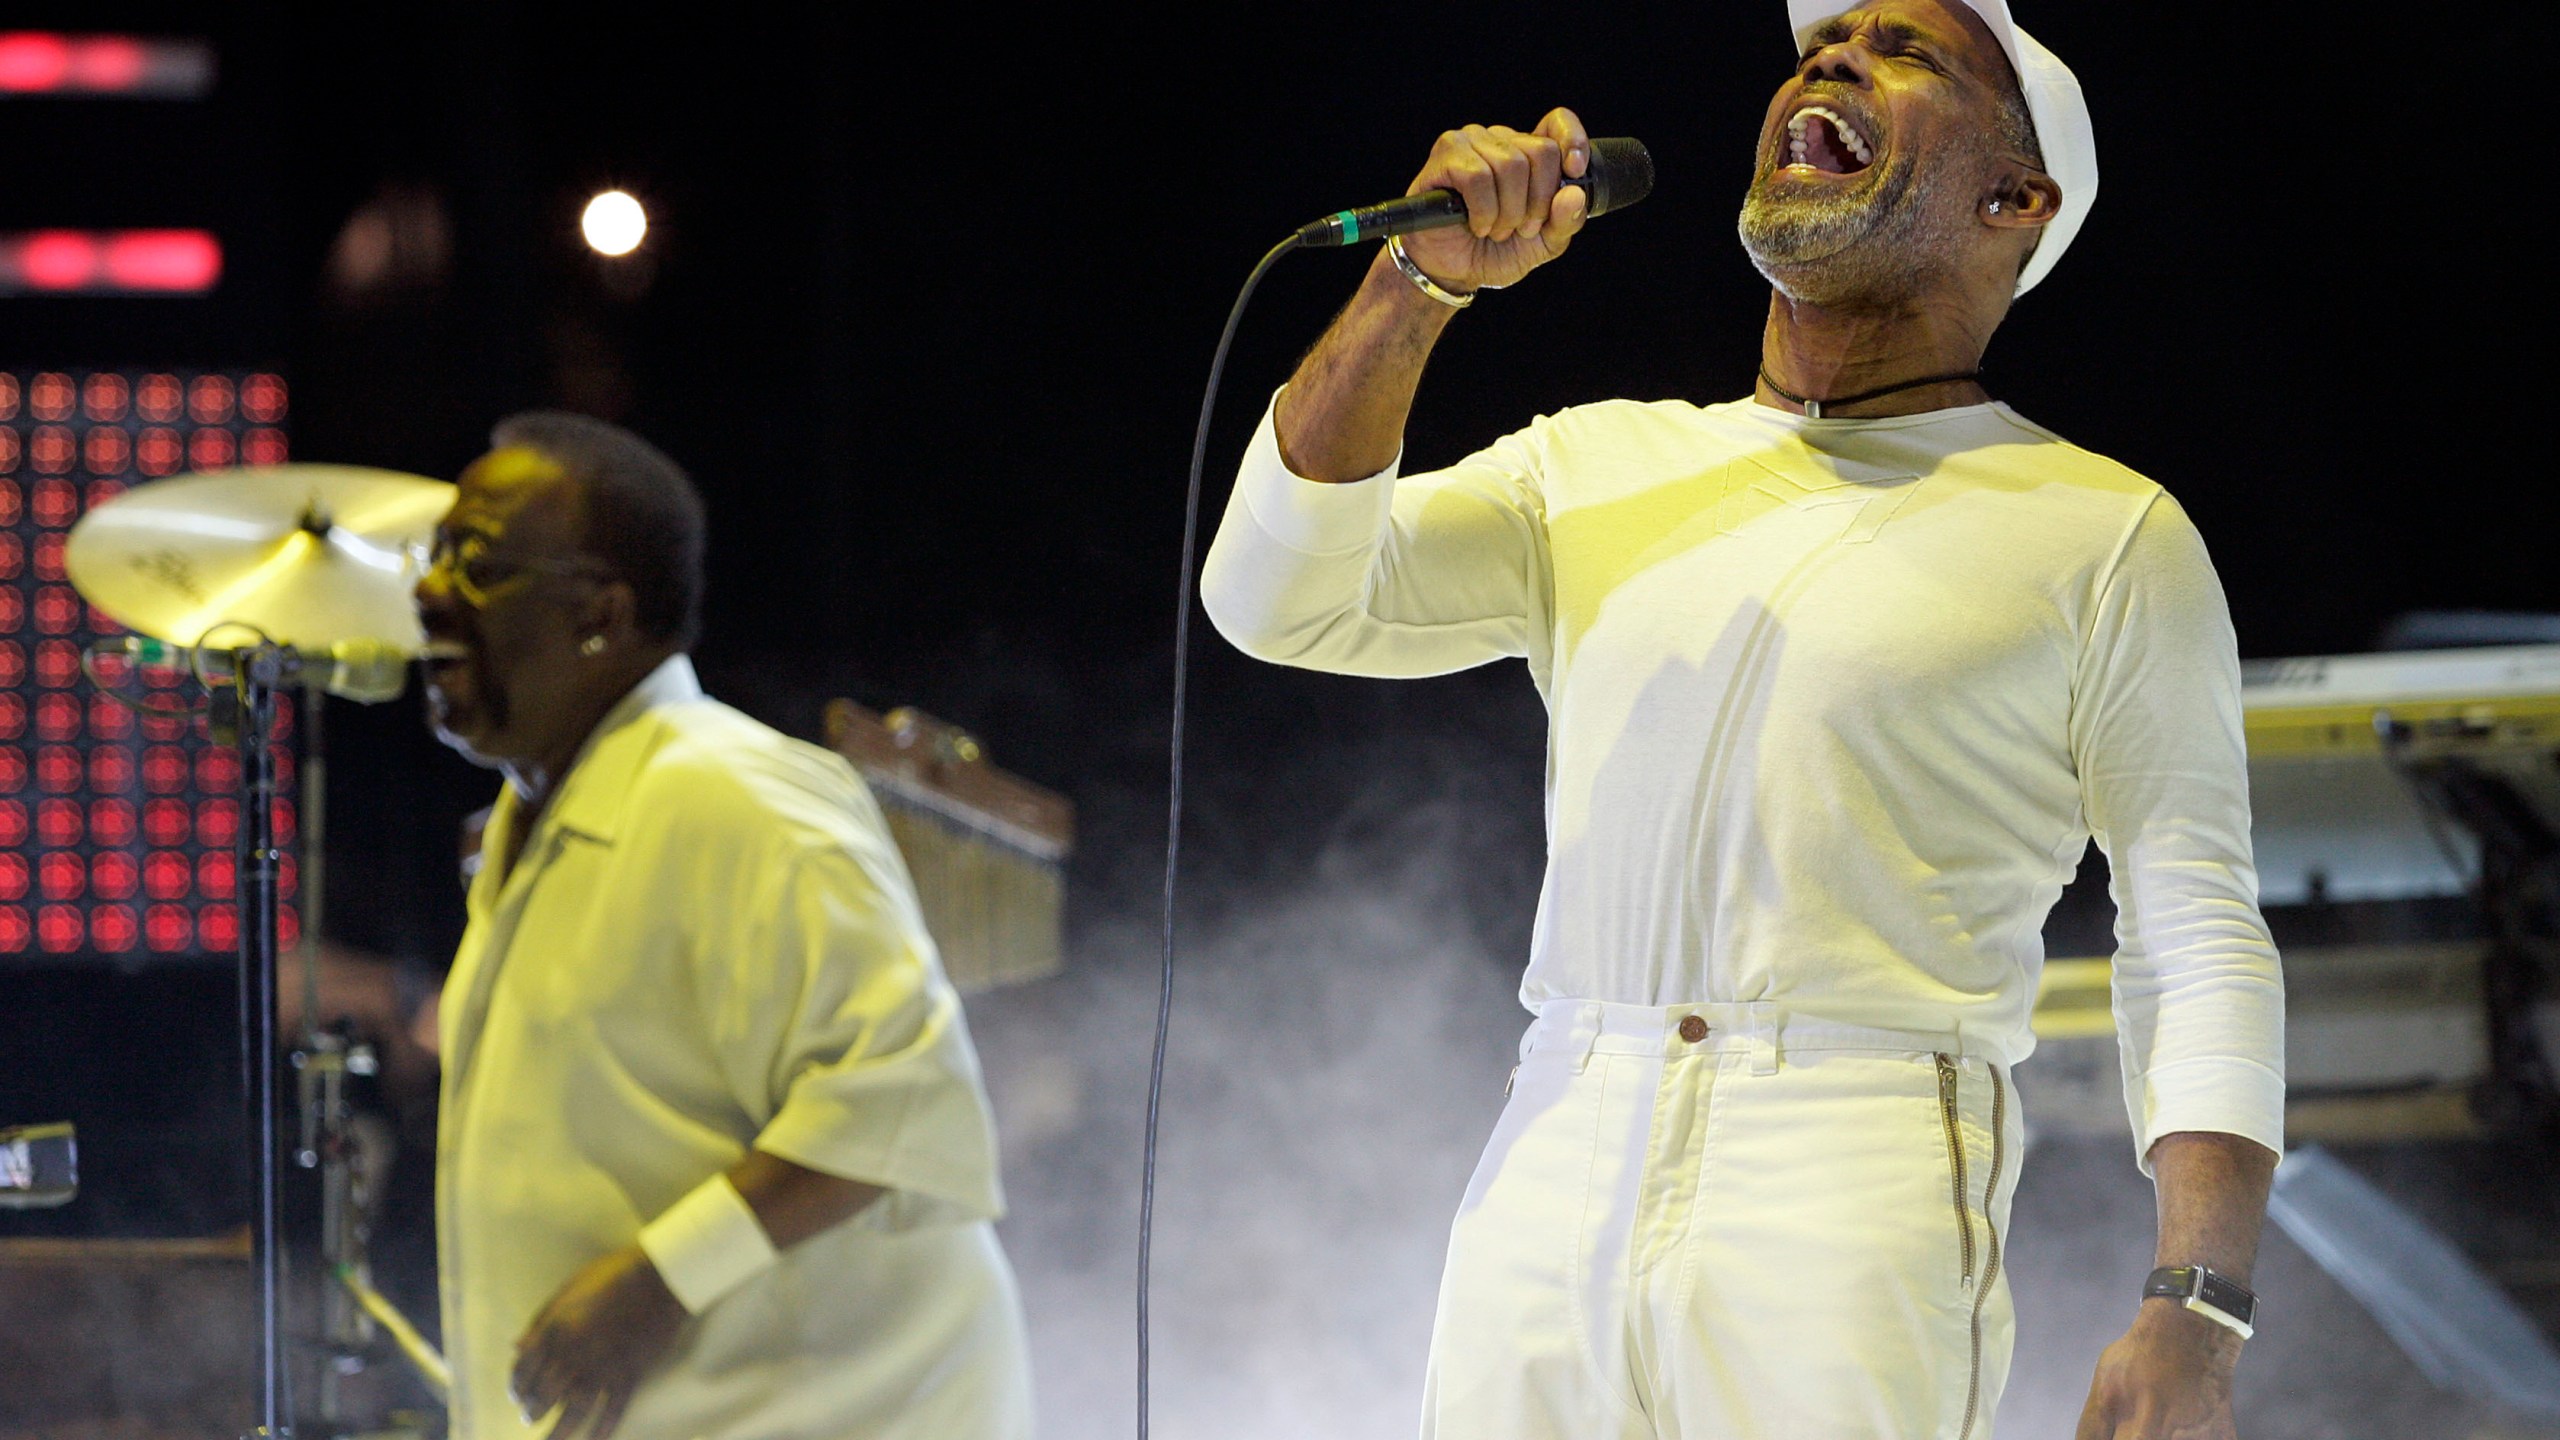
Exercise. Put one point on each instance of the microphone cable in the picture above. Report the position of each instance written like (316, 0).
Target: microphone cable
(1184, 590)
(1619, 173)
(1616, 175)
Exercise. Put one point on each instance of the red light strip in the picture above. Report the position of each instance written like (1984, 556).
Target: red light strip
(109, 262)
(36, 62)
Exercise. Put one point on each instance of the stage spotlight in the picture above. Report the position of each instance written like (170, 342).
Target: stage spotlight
(614, 224)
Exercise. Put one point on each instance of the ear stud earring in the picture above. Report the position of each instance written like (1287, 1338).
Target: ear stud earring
(1995, 207)
(592, 646)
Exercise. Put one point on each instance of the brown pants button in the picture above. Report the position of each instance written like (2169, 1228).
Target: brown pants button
(1692, 1029)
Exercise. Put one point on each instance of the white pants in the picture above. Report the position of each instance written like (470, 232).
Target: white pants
(1771, 1230)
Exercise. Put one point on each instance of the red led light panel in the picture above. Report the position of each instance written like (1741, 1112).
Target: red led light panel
(117, 830)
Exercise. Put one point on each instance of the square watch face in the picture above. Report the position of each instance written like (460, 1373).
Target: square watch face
(2225, 1296)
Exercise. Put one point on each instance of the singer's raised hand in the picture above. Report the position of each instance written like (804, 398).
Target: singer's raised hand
(1516, 218)
(1342, 417)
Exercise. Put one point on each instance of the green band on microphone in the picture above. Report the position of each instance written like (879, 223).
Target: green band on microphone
(1350, 226)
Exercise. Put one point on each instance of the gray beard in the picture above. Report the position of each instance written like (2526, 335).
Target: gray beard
(1878, 245)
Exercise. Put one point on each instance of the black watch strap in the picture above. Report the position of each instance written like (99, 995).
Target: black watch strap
(2200, 1288)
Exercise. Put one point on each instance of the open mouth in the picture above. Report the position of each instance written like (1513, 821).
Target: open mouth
(1819, 138)
(442, 656)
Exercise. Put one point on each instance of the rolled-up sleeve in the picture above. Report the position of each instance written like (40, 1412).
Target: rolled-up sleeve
(2156, 734)
(841, 1036)
(1383, 576)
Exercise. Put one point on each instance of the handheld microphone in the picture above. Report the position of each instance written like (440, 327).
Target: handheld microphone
(365, 671)
(1618, 174)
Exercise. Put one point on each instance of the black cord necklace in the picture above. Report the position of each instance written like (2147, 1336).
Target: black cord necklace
(1813, 408)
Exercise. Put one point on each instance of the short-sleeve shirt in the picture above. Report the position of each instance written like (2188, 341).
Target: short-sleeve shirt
(707, 943)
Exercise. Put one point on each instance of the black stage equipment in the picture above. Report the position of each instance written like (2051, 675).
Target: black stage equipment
(273, 576)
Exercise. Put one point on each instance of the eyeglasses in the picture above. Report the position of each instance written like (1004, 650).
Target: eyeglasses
(477, 574)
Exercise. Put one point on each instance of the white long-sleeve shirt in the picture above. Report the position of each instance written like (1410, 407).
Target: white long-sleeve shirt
(708, 942)
(1834, 706)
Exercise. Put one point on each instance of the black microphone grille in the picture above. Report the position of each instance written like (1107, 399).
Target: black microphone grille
(1620, 174)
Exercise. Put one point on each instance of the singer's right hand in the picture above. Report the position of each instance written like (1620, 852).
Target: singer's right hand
(1516, 219)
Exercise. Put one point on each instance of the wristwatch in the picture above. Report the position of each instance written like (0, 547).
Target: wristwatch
(2218, 1298)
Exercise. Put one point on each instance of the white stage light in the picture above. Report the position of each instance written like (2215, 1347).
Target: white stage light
(614, 223)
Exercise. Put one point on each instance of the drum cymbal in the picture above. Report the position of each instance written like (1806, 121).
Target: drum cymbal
(310, 554)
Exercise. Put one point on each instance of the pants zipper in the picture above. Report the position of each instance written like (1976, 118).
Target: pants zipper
(1950, 1117)
(1954, 1126)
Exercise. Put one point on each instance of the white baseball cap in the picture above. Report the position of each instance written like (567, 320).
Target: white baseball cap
(2054, 102)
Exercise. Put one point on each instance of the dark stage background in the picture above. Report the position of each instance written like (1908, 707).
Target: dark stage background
(926, 305)
(928, 308)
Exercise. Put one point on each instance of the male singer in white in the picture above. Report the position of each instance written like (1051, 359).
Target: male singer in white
(1841, 678)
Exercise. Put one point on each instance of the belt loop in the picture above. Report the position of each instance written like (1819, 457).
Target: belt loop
(1765, 1022)
(1587, 1020)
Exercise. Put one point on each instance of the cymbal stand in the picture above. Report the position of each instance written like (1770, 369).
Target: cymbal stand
(259, 671)
(311, 821)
